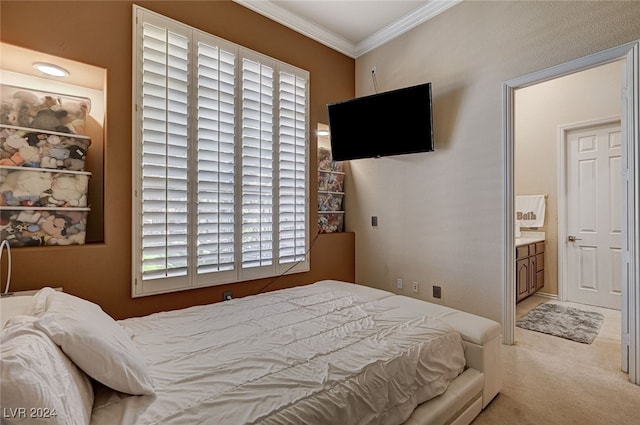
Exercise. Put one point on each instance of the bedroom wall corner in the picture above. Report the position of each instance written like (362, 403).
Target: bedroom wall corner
(100, 34)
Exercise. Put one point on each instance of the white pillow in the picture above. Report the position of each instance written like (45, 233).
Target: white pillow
(96, 343)
(39, 384)
(13, 306)
(39, 303)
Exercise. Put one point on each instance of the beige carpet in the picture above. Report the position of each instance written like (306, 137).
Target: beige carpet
(549, 380)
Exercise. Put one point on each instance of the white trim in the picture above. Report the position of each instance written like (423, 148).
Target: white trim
(630, 122)
(428, 10)
(406, 23)
(299, 24)
(509, 242)
(563, 131)
(135, 209)
(546, 295)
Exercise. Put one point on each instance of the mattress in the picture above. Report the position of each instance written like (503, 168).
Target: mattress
(327, 353)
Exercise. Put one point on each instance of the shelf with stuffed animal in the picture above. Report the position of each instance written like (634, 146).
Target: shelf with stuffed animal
(28, 226)
(40, 187)
(23, 147)
(40, 206)
(28, 108)
(330, 193)
(330, 221)
(43, 150)
(42, 130)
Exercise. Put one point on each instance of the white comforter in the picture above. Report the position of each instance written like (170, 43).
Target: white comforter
(327, 353)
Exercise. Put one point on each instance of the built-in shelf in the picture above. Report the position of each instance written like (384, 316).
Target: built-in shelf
(330, 188)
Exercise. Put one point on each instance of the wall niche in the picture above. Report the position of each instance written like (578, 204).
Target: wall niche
(83, 81)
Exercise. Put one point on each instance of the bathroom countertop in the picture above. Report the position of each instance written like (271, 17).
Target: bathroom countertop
(529, 237)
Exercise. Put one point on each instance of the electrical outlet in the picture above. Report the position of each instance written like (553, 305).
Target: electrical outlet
(399, 283)
(227, 295)
(437, 291)
(415, 287)
(374, 221)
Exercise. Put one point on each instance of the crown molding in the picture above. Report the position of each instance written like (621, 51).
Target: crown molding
(409, 21)
(298, 24)
(322, 35)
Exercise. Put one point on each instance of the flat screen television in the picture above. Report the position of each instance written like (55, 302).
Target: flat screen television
(390, 123)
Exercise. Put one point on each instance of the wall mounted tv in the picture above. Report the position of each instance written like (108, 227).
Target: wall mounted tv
(390, 123)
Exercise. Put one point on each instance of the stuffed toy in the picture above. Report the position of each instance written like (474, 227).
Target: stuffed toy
(47, 230)
(8, 115)
(54, 226)
(38, 228)
(24, 97)
(21, 110)
(76, 114)
(76, 219)
(72, 189)
(77, 152)
(26, 186)
(74, 164)
(75, 239)
(49, 120)
(50, 102)
(15, 160)
(35, 139)
(48, 162)
(28, 217)
(53, 140)
(30, 155)
(24, 116)
(59, 152)
(15, 142)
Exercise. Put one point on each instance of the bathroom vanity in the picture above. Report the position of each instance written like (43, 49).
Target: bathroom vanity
(529, 264)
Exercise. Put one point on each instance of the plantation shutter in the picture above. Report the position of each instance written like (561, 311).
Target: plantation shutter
(165, 68)
(257, 164)
(215, 159)
(292, 168)
(220, 167)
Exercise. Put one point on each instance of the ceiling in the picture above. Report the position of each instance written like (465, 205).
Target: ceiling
(352, 27)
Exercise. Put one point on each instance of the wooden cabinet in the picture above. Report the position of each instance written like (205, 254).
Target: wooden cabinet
(529, 269)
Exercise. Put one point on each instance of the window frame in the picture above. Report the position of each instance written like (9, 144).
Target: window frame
(193, 279)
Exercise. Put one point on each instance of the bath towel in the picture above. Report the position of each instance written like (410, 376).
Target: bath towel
(530, 210)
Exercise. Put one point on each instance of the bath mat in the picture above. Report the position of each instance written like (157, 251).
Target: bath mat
(565, 322)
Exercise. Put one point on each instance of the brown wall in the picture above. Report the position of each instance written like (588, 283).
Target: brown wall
(100, 33)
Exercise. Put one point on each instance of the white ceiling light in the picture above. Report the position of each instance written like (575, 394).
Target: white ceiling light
(51, 69)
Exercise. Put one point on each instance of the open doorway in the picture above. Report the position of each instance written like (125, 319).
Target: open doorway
(570, 113)
(630, 319)
(567, 149)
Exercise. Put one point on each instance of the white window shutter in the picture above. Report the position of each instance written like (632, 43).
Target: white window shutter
(215, 159)
(165, 67)
(257, 164)
(220, 160)
(292, 168)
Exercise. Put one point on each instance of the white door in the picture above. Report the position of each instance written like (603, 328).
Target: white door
(594, 217)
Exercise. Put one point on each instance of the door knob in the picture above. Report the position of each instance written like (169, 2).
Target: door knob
(573, 239)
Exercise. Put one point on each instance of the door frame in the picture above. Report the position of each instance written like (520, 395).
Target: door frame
(630, 116)
(563, 131)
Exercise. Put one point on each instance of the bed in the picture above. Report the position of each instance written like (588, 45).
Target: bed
(327, 353)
